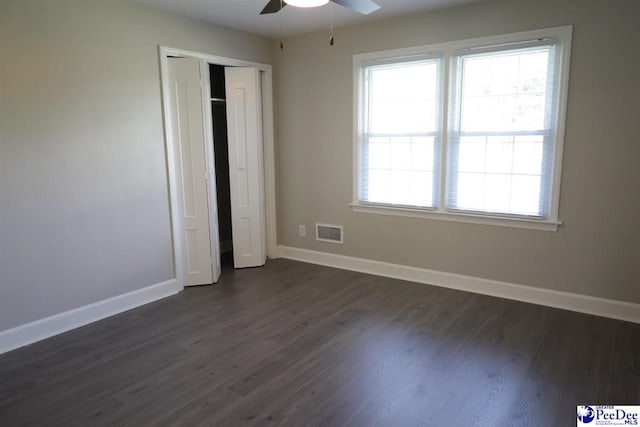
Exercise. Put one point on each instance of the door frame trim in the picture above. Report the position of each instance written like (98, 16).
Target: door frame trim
(164, 53)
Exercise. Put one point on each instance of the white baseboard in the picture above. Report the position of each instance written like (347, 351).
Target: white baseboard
(575, 302)
(29, 333)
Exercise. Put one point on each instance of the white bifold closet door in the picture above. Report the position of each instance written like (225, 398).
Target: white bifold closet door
(186, 100)
(244, 128)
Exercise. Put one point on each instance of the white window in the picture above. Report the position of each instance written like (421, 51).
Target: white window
(497, 162)
(401, 131)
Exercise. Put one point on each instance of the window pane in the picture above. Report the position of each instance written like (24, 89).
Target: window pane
(397, 163)
(399, 171)
(499, 174)
(421, 189)
(400, 186)
(471, 155)
(422, 150)
(379, 185)
(497, 190)
(470, 190)
(527, 154)
(526, 194)
(505, 91)
(379, 153)
(497, 154)
(403, 98)
(400, 154)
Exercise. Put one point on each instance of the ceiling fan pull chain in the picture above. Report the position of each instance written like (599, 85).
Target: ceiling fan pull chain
(331, 38)
(281, 38)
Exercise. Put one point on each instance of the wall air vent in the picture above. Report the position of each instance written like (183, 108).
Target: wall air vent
(329, 233)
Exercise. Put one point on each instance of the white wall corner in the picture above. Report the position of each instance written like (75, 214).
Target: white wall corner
(613, 309)
(29, 333)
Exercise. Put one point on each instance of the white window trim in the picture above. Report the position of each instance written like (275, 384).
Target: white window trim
(564, 34)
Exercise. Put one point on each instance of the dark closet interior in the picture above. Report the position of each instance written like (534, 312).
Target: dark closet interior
(221, 152)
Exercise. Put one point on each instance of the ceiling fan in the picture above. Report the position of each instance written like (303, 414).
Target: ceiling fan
(364, 7)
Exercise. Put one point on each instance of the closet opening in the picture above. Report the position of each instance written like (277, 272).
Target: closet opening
(221, 155)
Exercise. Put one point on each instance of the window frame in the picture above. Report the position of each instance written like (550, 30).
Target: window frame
(448, 52)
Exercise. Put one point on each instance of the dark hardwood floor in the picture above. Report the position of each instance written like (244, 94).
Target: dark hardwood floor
(302, 345)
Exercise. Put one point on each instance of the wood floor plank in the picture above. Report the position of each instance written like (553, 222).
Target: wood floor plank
(294, 344)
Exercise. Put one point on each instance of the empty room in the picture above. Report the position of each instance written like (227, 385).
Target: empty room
(319, 212)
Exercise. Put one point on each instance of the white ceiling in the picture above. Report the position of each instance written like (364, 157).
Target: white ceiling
(245, 14)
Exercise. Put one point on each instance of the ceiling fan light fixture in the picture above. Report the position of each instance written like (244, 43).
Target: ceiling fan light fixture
(306, 3)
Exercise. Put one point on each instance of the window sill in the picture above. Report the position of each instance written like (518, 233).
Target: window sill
(532, 224)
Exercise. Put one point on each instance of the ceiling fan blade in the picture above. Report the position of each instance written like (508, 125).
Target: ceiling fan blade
(364, 7)
(273, 6)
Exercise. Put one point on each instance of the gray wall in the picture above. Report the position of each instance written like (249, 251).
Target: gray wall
(83, 189)
(596, 252)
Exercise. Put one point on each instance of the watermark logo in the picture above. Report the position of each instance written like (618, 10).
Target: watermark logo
(607, 415)
(586, 414)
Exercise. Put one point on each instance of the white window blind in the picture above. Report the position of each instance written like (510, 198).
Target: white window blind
(500, 150)
(401, 131)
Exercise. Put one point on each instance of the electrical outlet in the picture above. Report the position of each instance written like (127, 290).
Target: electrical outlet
(302, 230)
